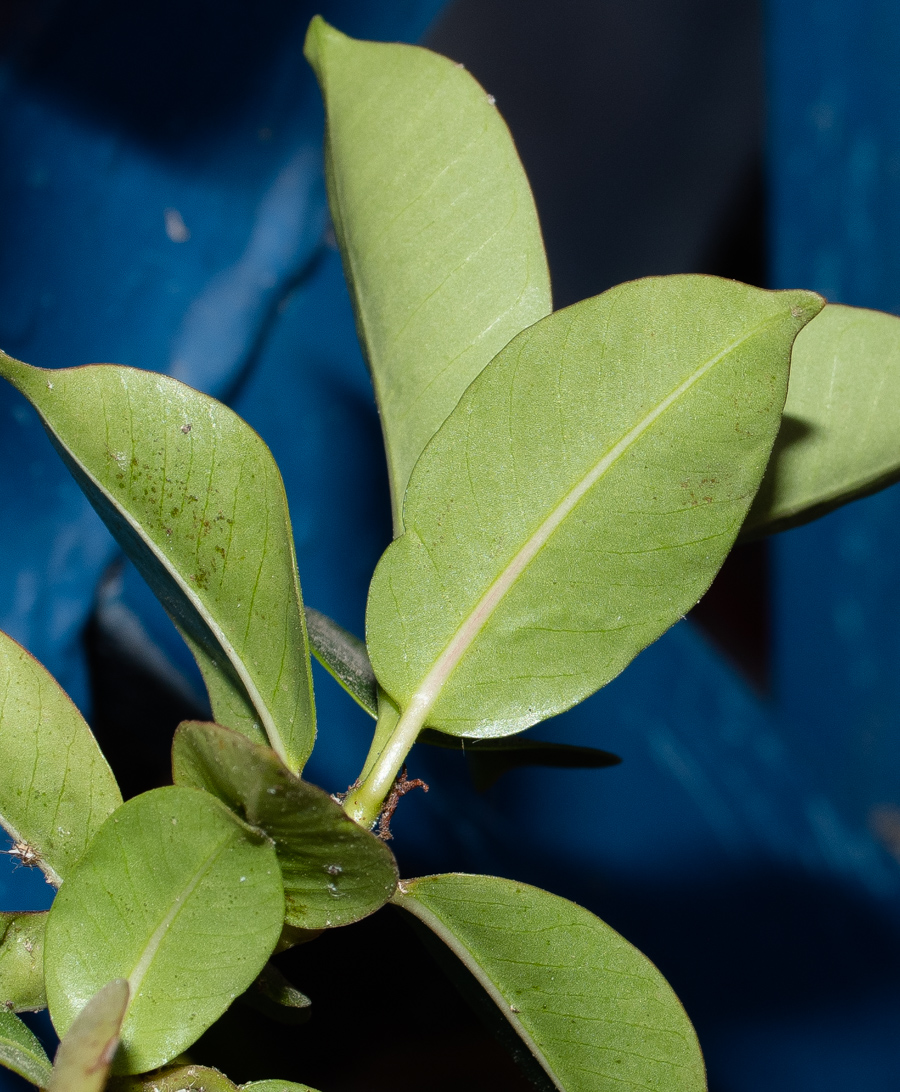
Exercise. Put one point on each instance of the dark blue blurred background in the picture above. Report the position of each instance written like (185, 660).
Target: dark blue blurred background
(161, 205)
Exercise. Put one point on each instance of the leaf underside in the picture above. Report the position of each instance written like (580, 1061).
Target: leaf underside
(180, 898)
(334, 872)
(195, 499)
(56, 788)
(344, 657)
(437, 227)
(594, 1012)
(20, 1050)
(580, 499)
(838, 440)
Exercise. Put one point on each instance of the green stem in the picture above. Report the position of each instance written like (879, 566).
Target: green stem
(394, 737)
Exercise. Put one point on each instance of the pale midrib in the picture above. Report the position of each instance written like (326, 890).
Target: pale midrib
(427, 693)
(49, 871)
(143, 964)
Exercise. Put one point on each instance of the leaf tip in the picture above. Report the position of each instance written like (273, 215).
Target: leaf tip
(319, 36)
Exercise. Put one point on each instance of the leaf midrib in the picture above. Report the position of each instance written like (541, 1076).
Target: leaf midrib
(429, 690)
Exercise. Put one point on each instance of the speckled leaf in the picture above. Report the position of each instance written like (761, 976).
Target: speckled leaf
(334, 871)
(181, 898)
(21, 1052)
(175, 1078)
(275, 1086)
(22, 961)
(839, 438)
(594, 1012)
(437, 227)
(86, 1051)
(195, 499)
(56, 788)
(579, 500)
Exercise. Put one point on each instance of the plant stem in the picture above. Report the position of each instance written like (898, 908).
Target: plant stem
(385, 759)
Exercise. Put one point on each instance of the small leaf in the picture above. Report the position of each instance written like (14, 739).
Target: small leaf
(179, 897)
(21, 1052)
(57, 788)
(579, 500)
(334, 871)
(437, 228)
(594, 1012)
(87, 1049)
(275, 1086)
(175, 1078)
(838, 440)
(196, 501)
(22, 961)
(273, 996)
(489, 759)
(344, 657)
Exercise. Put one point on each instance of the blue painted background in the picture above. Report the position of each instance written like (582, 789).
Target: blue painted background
(733, 844)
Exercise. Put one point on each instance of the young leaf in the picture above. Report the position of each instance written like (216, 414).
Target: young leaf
(87, 1049)
(195, 499)
(436, 224)
(56, 789)
(838, 440)
(489, 759)
(334, 872)
(594, 1012)
(175, 1078)
(579, 500)
(22, 961)
(275, 1086)
(180, 897)
(344, 657)
(21, 1052)
(273, 996)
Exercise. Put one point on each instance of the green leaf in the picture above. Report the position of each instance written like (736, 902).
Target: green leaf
(838, 440)
(273, 996)
(594, 1012)
(489, 759)
(180, 897)
(87, 1049)
(195, 499)
(175, 1078)
(344, 657)
(21, 1052)
(275, 1086)
(579, 500)
(437, 228)
(22, 961)
(334, 872)
(56, 788)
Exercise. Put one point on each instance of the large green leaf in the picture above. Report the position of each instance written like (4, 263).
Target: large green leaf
(181, 898)
(86, 1052)
(195, 499)
(56, 788)
(334, 872)
(579, 500)
(839, 439)
(594, 1012)
(436, 224)
(22, 961)
(21, 1052)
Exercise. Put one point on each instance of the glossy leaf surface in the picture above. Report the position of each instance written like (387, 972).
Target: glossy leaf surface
(56, 788)
(195, 499)
(595, 1013)
(839, 438)
(579, 499)
(21, 1052)
(176, 895)
(86, 1051)
(22, 961)
(334, 871)
(344, 657)
(436, 223)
